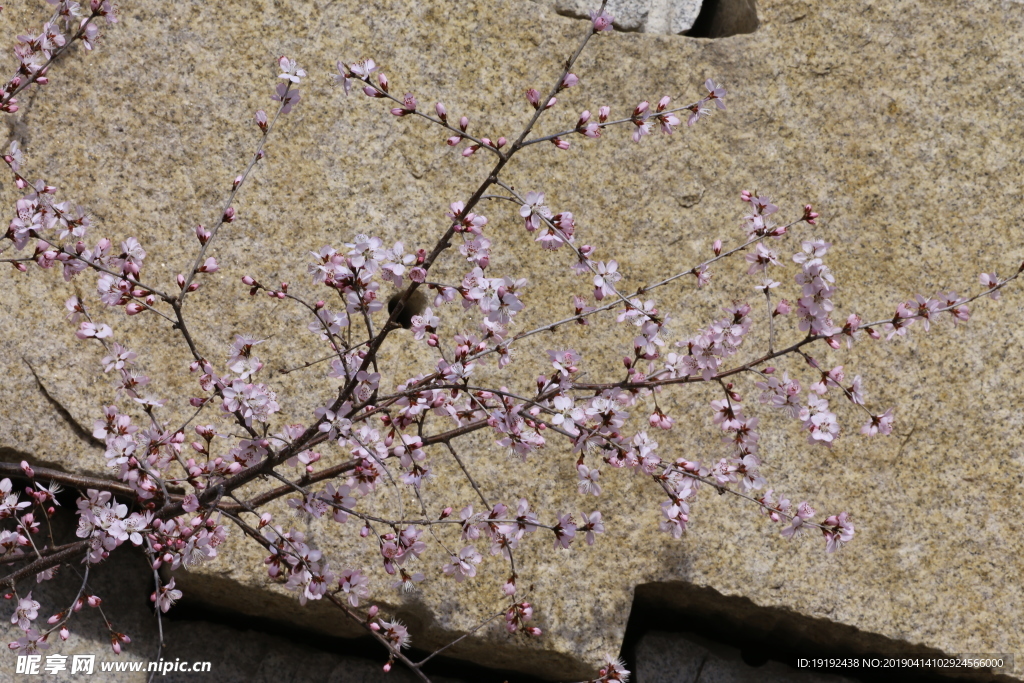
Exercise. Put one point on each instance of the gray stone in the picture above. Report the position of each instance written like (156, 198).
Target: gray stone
(684, 13)
(629, 15)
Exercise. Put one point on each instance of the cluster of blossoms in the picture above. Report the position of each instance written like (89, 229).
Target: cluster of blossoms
(36, 53)
(107, 524)
(11, 505)
(386, 438)
(711, 346)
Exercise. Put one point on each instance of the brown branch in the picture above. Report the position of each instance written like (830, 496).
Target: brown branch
(44, 563)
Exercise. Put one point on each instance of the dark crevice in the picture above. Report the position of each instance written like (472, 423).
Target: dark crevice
(722, 18)
(764, 634)
(363, 648)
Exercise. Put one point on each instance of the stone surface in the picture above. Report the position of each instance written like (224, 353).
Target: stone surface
(629, 15)
(898, 121)
(650, 16)
(683, 14)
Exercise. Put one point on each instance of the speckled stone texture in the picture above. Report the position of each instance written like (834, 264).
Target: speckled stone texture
(656, 16)
(899, 121)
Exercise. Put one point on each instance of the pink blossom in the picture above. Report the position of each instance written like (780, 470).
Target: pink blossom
(534, 211)
(990, 280)
(290, 70)
(588, 480)
(602, 21)
(464, 564)
(167, 597)
(840, 533)
(879, 424)
(565, 532)
(716, 93)
(592, 525)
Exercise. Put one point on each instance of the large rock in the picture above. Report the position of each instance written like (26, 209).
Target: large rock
(898, 121)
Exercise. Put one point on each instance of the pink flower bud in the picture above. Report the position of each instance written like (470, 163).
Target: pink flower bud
(94, 600)
(533, 97)
(236, 183)
(134, 308)
(442, 113)
(603, 113)
(248, 281)
(383, 80)
(372, 612)
(641, 109)
(229, 214)
(453, 140)
(602, 21)
(717, 247)
(180, 279)
(29, 472)
(569, 81)
(502, 142)
(463, 124)
(202, 234)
